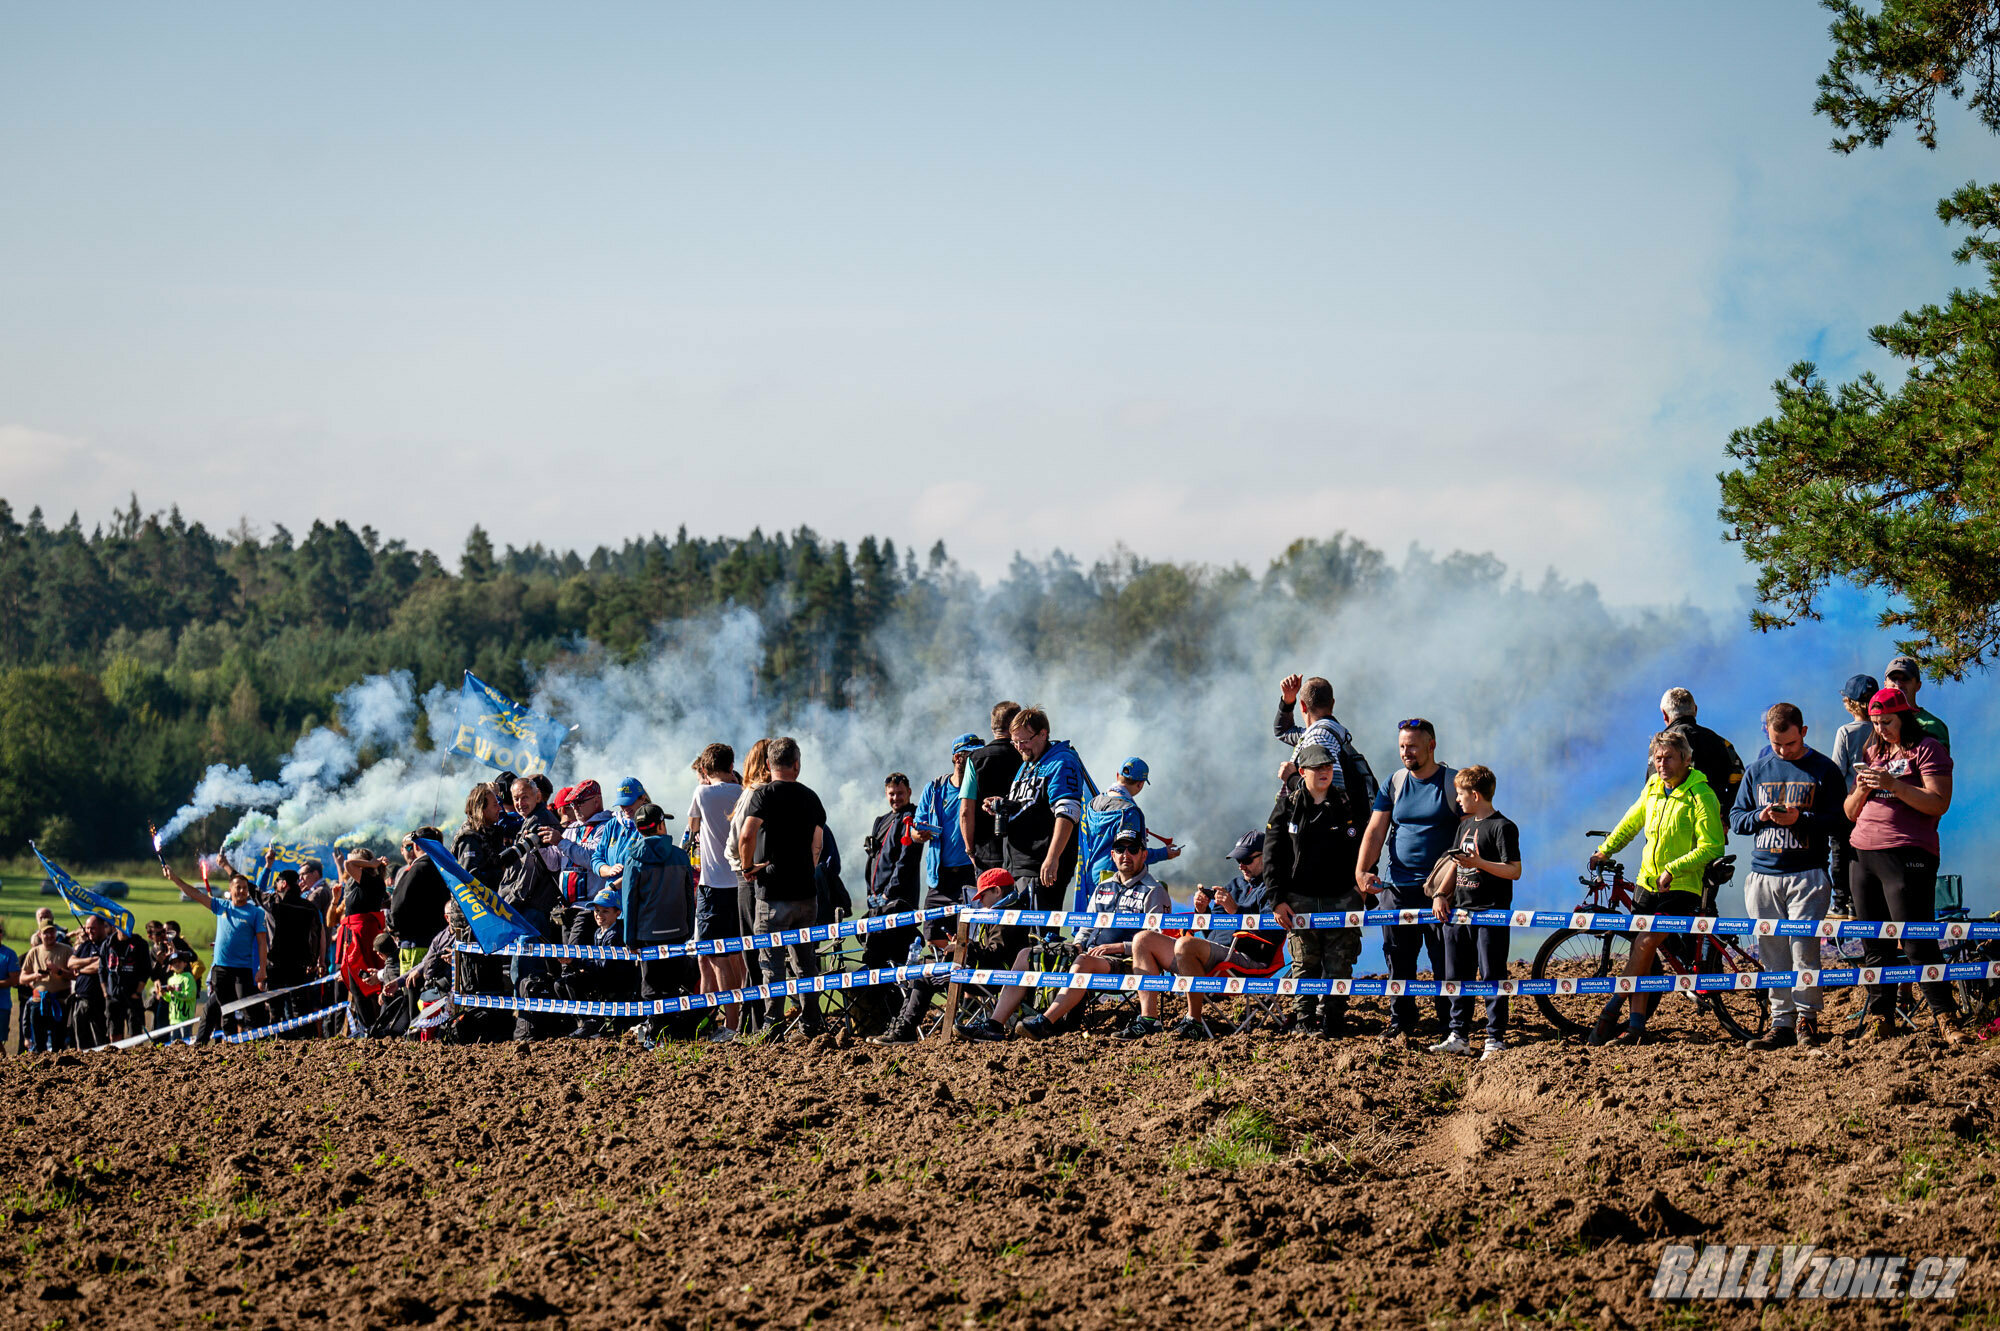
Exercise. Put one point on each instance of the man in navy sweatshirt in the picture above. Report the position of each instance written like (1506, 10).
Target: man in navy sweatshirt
(1790, 801)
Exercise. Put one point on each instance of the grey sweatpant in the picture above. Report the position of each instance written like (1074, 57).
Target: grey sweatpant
(1794, 896)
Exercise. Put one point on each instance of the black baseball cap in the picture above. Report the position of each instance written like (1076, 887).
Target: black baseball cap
(1859, 688)
(1124, 839)
(1314, 755)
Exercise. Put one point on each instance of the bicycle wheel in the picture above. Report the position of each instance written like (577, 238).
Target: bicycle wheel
(1744, 1013)
(1572, 954)
(1972, 994)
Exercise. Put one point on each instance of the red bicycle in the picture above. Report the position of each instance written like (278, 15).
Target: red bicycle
(1576, 954)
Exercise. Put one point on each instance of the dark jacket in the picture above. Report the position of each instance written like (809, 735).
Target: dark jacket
(993, 766)
(1715, 758)
(416, 909)
(483, 853)
(1308, 853)
(128, 964)
(529, 884)
(656, 894)
(895, 862)
(298, 934)
(830, 892)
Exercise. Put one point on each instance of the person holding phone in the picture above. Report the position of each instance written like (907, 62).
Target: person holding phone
(1902, 788)
(1790, 801)
(1488, 854)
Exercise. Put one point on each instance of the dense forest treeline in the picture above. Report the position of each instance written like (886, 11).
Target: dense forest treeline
(137, 652)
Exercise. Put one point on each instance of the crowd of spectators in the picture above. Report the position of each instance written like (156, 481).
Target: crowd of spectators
(1017, 820)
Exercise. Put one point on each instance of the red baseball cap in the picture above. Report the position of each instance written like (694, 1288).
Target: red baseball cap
(585, 790)
(995, 878)
(562, 797)
(1887, 701)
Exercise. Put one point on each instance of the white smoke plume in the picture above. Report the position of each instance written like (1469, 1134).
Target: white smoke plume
(317, 789)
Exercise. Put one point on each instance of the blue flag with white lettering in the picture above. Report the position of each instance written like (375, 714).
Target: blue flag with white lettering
(501, 733)
(495, 924)
(81, 900)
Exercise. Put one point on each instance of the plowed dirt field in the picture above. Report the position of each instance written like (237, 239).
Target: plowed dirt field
(1250, 1181)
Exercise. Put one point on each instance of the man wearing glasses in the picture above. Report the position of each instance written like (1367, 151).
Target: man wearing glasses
(1416, 816)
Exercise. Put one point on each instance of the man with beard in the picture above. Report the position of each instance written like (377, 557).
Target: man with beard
(1039, 815)
(1416, 816)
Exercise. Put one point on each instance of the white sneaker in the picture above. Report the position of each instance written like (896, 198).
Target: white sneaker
(1452, 1044)
(1494, 1048)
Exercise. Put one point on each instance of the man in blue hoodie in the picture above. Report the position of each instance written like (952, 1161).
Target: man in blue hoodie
(656, 905)
(1790, 801)
(1038, 817)
(947, 864)
(1111, 814)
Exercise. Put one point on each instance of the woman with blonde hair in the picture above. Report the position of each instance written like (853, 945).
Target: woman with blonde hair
(756, 772)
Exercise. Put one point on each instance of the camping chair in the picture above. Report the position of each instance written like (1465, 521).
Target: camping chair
(1256, 1007)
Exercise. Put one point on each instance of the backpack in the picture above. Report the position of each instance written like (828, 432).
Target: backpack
(1359, 780)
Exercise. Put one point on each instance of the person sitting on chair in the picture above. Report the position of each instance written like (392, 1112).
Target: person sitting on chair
(1099, 952)
(1154, 953)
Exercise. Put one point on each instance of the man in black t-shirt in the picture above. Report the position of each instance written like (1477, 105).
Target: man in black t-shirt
(988, 771)
(783, 833)
(416, 906)
(1488, 850)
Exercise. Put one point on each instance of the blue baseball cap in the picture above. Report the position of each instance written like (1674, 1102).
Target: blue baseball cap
(630, 792)
(1247, 848)
(1134, 770)
(607, 897)
(966, 743)
(1859, 688)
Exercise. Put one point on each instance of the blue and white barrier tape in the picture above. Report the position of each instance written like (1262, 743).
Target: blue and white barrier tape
(654, 1007)
(1606, 984)
(291, 1024)
(1945, 930)
(710, 947)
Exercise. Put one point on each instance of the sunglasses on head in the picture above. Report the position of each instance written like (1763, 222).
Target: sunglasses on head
(1413, 723)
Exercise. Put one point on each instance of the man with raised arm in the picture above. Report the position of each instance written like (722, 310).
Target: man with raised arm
(242, 945)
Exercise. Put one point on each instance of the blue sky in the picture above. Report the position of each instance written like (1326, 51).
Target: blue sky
(1195, 279)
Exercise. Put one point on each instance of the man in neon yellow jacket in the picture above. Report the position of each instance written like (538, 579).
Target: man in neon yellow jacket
(1682, 820)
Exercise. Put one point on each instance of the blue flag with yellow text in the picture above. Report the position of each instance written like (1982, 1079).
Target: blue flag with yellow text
(294, 857)
(501, 733)
(495, 924)
(82, 901)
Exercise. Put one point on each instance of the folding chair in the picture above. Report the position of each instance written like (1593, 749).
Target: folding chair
(1255, 1006)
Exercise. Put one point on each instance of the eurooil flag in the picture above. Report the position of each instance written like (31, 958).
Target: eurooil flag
(501, 733)
(82, 901)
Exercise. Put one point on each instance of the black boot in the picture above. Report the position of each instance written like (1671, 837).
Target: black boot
(1333, 1016)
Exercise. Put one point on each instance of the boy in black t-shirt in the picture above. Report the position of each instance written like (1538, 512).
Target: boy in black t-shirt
(1488, 850)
